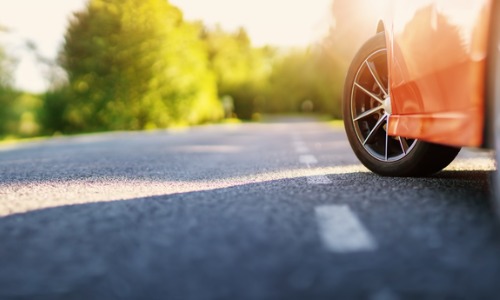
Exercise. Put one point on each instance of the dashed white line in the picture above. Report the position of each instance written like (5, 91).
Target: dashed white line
(341, 231)
(308, 159)
(339, 228)
(300, 147)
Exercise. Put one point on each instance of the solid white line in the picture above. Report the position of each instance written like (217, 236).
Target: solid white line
(320, 179)
(308, 159)
(341, 230)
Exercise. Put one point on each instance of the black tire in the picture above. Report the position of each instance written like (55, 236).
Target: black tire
(366, 110)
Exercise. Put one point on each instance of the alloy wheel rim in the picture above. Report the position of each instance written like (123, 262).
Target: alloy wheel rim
(371, 110)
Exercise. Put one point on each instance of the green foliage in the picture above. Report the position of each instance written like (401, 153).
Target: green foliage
(241, 70)
(52, 113)
(329, 81)
(6, 66)
(19, 114)
(135, 64)
(266, 80)
(18, 111)
(305, 80)
(6, 100)
(290, 83)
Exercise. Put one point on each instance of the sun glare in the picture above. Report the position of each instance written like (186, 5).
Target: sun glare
(278, 22)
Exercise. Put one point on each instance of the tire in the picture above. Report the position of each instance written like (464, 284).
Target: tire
(366, 111)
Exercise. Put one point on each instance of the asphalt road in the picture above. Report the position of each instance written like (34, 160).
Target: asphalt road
(253, 211)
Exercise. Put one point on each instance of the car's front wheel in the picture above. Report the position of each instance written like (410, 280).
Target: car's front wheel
(367, 111)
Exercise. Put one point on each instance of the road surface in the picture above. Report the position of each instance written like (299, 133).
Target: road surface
(278, 210)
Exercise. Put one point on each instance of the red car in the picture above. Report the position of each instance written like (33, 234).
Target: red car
(424, 86)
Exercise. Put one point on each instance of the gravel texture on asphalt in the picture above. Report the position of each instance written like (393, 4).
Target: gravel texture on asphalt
(226, 212)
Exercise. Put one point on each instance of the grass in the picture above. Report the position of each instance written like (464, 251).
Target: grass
(336, 123)
(13, 140)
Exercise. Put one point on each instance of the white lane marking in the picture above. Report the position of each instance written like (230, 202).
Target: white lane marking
(295, 136)
(341, 231)
(301, 149)
(319, 179)
(308, 159)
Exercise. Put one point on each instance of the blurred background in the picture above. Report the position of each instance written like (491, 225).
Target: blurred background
(73, 66)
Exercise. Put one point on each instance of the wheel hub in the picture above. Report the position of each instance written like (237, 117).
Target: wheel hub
(387, 105)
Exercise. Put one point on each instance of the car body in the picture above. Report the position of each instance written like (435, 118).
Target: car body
(425, 85)
(438, 56)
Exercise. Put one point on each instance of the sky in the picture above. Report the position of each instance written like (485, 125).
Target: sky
(283, 23)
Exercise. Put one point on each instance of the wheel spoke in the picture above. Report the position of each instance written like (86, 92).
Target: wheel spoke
(387, 143)
(375, 97)
(404, 144)
(368, 113)
(373, 71)
(377, 126)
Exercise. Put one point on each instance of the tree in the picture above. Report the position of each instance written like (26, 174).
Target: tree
(135, 64)
(7, 94)
(306, 80)
(241, 69)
